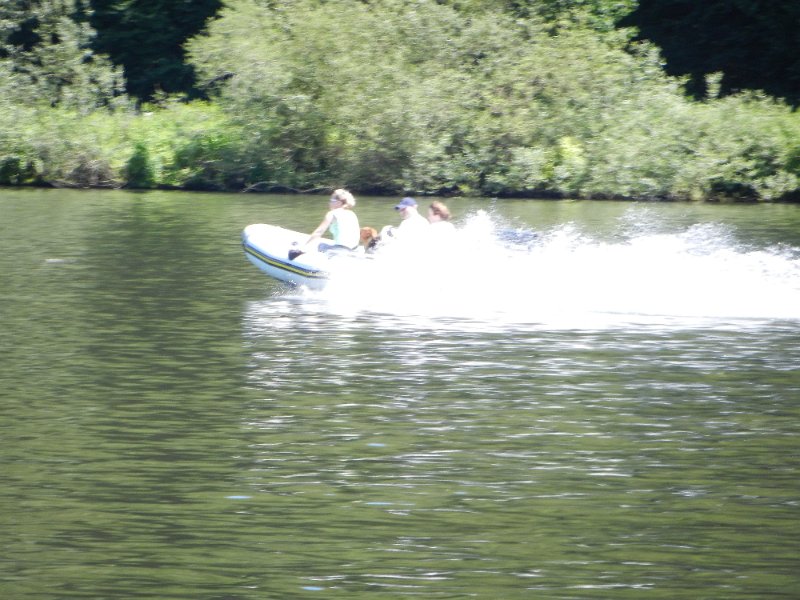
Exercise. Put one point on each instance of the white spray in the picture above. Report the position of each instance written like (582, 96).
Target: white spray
(499, 276)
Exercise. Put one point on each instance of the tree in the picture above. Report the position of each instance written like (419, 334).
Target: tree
(753, 43)
(146, 37)
(46, 53)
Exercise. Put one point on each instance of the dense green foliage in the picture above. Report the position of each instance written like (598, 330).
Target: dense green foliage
(46, 57)
(753, 43)
(462, 96)
(147, 37)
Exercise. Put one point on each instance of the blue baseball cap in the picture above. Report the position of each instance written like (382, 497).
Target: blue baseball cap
(405, 203)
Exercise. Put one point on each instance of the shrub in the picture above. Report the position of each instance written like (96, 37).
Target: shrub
(139, 171)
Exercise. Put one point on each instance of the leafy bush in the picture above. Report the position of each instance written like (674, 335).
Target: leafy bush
(139, 171)
(429, 98)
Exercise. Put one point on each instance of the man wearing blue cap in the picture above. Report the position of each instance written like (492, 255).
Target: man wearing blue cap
(412, 222)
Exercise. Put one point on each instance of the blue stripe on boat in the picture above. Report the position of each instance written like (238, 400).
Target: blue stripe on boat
(282, 265)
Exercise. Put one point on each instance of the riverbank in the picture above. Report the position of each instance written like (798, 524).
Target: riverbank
(789, 198)
(423, 99)
(205, 146)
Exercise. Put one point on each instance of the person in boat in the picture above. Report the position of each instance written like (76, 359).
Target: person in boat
(412, 224)
(439, 218)
(342, 222)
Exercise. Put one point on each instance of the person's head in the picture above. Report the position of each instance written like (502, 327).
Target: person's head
(437, 211)
(407, 207)
(367, 234)
(342, 198)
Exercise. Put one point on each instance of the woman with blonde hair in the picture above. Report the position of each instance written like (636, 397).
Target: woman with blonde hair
(341, 221)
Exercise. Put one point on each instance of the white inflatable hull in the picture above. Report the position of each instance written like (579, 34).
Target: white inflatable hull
(267, 247)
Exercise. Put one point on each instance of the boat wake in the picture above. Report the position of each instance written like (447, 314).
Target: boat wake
(494, 275)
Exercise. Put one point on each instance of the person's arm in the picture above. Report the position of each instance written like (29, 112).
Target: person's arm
(321, 228)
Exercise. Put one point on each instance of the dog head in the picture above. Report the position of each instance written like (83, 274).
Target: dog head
(368, 234)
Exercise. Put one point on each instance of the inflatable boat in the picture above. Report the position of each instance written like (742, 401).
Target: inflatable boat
(269, 248)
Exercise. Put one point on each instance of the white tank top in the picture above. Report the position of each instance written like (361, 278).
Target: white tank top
(345, 228)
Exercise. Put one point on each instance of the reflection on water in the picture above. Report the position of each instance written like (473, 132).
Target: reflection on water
(600, 403)
(477, 444)
(501, 464)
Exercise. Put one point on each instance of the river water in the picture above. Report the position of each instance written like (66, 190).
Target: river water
(586, 400)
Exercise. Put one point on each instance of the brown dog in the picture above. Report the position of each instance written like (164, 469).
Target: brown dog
(369, 238)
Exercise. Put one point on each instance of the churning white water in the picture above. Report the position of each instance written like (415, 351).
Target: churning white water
(492, 274)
